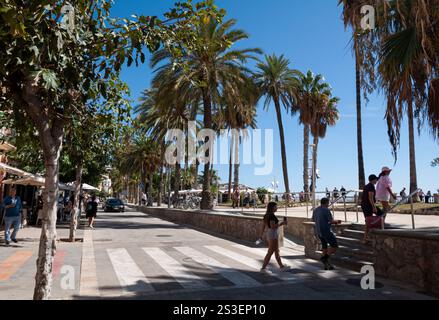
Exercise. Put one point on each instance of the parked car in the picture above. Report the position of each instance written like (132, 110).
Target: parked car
(116, 205)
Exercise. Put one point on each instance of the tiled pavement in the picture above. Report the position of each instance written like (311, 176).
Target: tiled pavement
(134, 256)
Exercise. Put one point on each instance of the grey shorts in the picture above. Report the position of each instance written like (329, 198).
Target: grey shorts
(273, 234)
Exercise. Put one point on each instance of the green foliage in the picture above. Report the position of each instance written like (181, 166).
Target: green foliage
(261, 192)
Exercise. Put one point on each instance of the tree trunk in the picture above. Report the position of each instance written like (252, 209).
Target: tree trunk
(229, 189)
(282, 145)
(413, 174)
(51, 136)
(177, 182)
(306, 161)
(150, 190)
(75, 209)
(160, 191)
(206, 200)
(361, 174)
(314, 157)
(236, 164)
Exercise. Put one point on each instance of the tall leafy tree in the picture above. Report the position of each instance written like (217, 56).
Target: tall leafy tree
(53, 61)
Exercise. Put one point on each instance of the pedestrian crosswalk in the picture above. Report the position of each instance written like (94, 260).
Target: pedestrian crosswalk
(150, 270)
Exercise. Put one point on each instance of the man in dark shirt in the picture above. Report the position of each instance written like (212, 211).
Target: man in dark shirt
(368, 202)
(323, 220)
(13, 207)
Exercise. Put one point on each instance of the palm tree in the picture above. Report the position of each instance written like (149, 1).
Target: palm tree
(277, 82)
(238, 118)
(323, 114)
(309, 87)
(162, 109)
(214, 70)
(352, 17)
(402, 69)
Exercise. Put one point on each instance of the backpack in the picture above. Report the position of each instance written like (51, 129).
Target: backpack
(374, 222)
(89, 207)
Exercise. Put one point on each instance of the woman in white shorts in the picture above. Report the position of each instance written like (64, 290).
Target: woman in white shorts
(272, 223)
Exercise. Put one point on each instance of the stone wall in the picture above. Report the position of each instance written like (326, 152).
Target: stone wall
(238, 227)
(312, 244)
(295, 227)
(408, 255)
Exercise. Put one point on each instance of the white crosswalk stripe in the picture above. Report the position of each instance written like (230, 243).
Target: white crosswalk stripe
(293, 263)
(238, 278)
(130, 277)
(252, 263)
(181, 274)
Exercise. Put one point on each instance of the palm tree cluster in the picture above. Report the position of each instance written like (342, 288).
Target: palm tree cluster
(213, 86)
(400, 55)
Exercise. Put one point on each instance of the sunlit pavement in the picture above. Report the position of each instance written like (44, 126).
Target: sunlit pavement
(135, 256)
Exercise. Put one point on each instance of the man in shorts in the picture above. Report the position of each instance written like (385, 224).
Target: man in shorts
(323, 220)
(368, 205)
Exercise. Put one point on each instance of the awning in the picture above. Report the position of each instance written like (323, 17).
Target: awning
(14, 171)
(35, 181)
(85, 186)
(7, 147)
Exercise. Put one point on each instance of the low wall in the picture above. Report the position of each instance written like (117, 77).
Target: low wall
(408, 255)
(238, 227)
(296, 228)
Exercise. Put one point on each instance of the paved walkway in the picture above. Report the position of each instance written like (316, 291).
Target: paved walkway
(394, 219)
(135, 256)
(18, 265)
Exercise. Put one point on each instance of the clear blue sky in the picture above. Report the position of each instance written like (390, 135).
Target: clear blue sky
(310, 34)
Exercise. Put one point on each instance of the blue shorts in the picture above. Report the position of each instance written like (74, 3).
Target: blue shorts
(330, 240)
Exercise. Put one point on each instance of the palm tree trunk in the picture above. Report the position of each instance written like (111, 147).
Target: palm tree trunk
(236, 163)
(150, 189)
(306, 161)
(229, 189)
(314, 158)
(282, 144)
(361, 174)
(177, 180)
(160, 191)
(206, 201)
(413, 175)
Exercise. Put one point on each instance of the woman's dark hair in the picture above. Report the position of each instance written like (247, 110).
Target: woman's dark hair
(270, 210)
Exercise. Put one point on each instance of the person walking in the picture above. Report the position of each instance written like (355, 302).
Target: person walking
(13, 207)
(403, 195)
(271, 223)
(384, 189)
(421, 195)
(92, 210)
(323, 220)
(372, 214)
(343, 192)
(236, 198)
(428, 197)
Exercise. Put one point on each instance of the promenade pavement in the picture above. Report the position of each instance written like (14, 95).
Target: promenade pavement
(132, 255)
